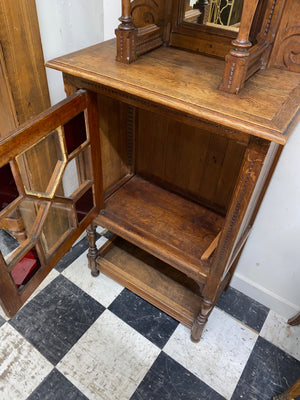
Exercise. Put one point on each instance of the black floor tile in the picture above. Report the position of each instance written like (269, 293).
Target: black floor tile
(269, 371)
(56, 387)
(56, 318)
(243, 308)
(168, 380)
(152, 323)
(2, 321)
(73, 254)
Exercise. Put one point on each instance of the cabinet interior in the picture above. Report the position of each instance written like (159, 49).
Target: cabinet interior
(168, 186)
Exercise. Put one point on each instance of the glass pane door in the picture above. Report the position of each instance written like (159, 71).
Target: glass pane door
(50, 190)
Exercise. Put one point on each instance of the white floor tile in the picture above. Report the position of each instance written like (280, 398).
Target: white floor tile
(220, 356)
(286, 337)
(22, 367)
(101, 230)
(110, 360)
(101, 288)
(2, 314)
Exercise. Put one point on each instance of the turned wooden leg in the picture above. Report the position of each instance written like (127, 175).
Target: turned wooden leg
(294, 320)
(201, 320)
(93, 251)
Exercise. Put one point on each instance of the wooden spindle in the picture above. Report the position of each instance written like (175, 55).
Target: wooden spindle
(237, 60)
(242, 42)
(126, 18)
(126, 8)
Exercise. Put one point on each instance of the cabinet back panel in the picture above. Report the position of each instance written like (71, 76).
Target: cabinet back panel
(114, 140)
(199, 164)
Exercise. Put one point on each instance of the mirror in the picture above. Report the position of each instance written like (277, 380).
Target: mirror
(225, 14)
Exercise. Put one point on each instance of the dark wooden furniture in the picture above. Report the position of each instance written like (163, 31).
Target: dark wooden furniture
(183, 166)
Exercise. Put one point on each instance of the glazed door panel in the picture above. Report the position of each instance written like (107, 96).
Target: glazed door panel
(55, 210)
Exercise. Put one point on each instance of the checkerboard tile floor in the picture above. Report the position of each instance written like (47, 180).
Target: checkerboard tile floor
(81, 337)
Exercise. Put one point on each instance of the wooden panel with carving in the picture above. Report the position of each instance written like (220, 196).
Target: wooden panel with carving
(147, 12)
(286, 50)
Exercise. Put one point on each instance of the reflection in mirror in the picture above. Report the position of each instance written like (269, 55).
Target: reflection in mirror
(225, 14)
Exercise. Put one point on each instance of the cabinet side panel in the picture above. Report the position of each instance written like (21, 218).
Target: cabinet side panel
(196, 163)
(254, 201)
(113, 124)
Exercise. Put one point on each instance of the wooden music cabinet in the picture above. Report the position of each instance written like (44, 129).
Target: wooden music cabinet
(173, 166)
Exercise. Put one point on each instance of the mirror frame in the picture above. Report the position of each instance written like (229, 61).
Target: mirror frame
(203, 39)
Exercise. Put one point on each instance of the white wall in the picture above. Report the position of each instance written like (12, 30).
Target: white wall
(70, 25)
(66, 26)
(269, 267)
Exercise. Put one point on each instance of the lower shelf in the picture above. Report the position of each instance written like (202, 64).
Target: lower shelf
(170, 227)
(152, 279)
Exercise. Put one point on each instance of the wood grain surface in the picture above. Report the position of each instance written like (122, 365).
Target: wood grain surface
(188, 83)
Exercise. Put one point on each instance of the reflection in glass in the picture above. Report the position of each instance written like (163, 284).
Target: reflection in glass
(7, 243)
(77, 172)
(75, 132)
(26, 268)
(8, 189)
(224, 14)
(47, 152)
(53, 234)
(84, 205)
(24, 217)
(29, 209)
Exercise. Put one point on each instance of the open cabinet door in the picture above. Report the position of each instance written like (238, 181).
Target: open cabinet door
(67, 136)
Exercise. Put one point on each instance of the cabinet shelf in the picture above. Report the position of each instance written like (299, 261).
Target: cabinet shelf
(165, 224)
(152, 279)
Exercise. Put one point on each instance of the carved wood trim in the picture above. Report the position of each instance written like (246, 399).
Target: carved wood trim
(286, 50)
(250, 171)
(238, 136)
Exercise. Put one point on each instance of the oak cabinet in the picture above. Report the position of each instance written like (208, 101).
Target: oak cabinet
(172, 166)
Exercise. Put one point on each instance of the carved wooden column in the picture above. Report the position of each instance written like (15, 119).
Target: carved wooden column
(237, 59)
(126, 34)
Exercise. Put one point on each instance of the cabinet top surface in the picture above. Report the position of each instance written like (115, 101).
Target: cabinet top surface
(268, 106)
